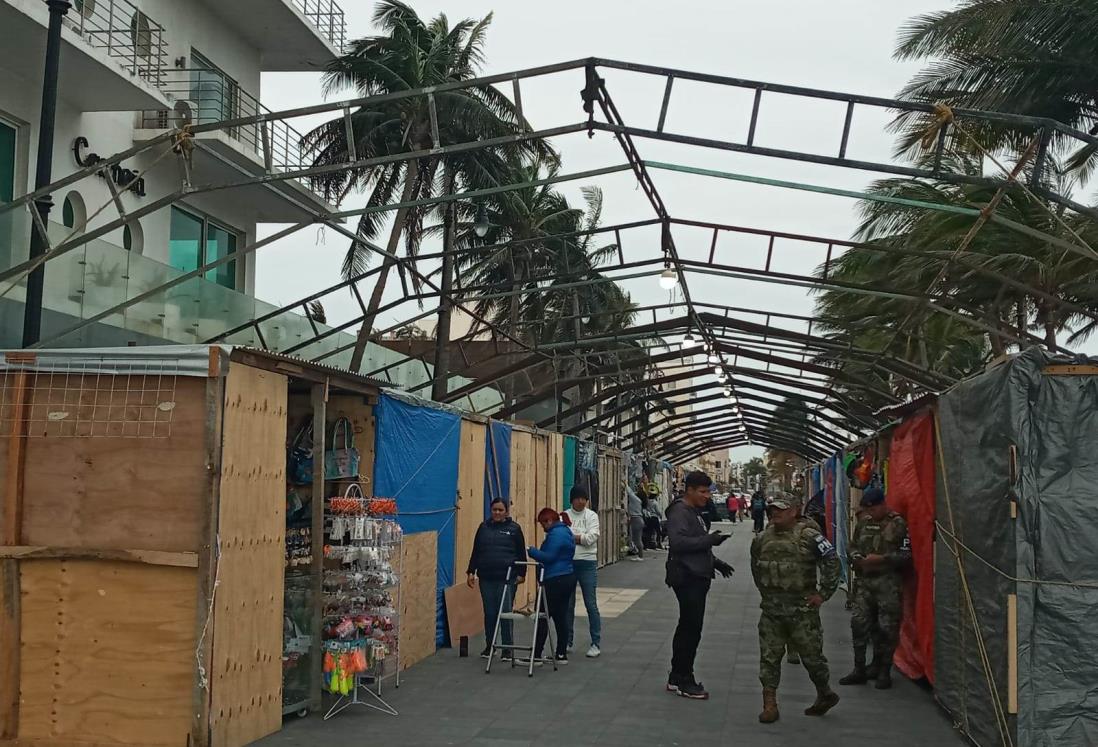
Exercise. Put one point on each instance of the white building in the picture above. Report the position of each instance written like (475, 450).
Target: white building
(130, 69)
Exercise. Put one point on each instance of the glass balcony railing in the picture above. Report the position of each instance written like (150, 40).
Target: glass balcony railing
(99, 275)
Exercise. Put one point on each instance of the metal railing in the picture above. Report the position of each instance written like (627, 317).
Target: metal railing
(204, 96)
(127, 33)
(328, 19)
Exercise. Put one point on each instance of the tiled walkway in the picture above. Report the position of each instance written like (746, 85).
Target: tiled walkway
(619, 698)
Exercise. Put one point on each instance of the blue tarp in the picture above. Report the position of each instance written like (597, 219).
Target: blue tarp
(497, 465)
(416, 464)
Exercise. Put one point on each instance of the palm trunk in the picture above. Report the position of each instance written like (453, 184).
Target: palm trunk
(366, 331)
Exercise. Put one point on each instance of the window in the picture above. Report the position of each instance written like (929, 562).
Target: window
(73, 213)
(196, 241)
(7, 162)
(216, 96)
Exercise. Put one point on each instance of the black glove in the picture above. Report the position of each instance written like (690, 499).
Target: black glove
(717, 538)
(724, 568)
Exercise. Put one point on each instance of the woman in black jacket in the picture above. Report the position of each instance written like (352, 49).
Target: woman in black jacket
(498, 545)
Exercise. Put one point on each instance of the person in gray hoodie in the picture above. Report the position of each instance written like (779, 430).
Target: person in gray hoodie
(691, 567)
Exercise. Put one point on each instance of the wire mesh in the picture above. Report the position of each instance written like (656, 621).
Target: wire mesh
(88, 400)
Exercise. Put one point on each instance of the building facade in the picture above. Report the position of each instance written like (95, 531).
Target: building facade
(129, 71)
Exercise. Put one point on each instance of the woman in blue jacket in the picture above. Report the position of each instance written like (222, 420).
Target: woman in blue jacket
(559, 580)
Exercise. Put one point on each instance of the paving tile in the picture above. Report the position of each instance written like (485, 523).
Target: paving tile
(619, 698)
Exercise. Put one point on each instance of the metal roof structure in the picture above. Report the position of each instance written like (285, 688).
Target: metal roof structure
(773, 358)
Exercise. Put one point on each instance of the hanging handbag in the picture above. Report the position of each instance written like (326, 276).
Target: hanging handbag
(299, 457)
(341, 461)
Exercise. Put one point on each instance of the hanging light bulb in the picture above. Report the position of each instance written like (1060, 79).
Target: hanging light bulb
(721, 375)
(713, 357)
(480, 223)
(668, 278)
(717, 370)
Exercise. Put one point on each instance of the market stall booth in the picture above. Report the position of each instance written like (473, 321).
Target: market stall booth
(143, 554)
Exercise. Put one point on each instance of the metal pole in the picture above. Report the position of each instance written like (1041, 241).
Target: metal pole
(440, 384)
(32, 313)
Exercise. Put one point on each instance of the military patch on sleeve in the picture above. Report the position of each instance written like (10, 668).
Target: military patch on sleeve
(906, 544)
(824, 548)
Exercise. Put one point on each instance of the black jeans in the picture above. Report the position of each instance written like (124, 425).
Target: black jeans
(558, 594)
(759, 517)
(684, 647)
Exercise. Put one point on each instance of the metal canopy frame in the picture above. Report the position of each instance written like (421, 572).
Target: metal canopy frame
(761, 356)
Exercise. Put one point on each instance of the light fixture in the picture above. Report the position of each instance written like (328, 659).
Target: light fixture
(721, 375)
(717, 370)
(668, 278)
(714, 358)
(689, 339)
(480, 223)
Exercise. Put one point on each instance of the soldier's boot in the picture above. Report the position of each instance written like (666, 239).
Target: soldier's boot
(858, 676)
(884, 678)
(770, 706)
(873, 671)
(826, 699)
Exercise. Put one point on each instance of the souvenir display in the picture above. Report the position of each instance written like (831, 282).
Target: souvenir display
(361, 602)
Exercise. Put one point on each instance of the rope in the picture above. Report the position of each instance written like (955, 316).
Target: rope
(1004, 574)
(985, 660)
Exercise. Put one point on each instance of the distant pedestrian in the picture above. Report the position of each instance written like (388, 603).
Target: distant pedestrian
(559, 581)
(758, 510)
(635, 509)
(784, 563)
(732, 505)
(497, 547)
(691, 567)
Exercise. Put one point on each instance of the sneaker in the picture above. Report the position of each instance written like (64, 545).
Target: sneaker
(486, 653)
(673, 683)
(507, 656)
(593, 652)
(693, 690)
(562, 658)
(525, 661)
(635, 559)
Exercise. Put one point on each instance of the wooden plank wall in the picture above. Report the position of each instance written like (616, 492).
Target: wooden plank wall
(418, 574)
(470, 513)
(108, 652)
(611, 505)
(246, 679)
(523, 496)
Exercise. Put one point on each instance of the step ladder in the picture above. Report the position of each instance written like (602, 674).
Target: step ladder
(541, 612)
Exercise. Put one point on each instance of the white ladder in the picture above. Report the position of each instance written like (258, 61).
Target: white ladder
(541, 607)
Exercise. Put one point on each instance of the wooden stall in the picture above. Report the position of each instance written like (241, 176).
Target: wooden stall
(612, 516)
(142, 541)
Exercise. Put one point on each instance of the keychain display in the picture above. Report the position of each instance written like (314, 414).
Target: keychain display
(361, 584)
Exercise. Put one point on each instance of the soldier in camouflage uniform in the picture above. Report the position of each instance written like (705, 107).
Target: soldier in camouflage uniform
(879, 551)
(802, 518)
(784, 560)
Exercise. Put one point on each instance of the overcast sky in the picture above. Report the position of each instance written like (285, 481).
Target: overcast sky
(843, 45)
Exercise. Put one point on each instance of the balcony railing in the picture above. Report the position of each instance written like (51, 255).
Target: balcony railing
(206, 96)
(328, 19)
(125, 32)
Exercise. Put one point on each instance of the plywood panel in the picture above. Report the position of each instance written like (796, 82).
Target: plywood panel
(121, 493)
(108, 652)
(418, 597)
(464, 612)
(246, 677)
(470, 513)
(523, 508)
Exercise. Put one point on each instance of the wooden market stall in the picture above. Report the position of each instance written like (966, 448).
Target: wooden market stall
(144, 540)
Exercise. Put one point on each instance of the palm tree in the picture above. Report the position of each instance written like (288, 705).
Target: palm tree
(410, 54)
(1031, 57)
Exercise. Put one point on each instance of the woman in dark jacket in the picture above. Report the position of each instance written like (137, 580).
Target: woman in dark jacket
(559, 580)
(498, 545)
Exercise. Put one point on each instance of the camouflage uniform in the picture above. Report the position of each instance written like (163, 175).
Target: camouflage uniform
(783, 564)
(878, 598)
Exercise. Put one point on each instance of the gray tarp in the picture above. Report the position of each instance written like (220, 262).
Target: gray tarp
(1052, 420)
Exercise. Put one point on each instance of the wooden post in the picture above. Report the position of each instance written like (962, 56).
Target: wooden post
(208, 553)
(10, 613)
(1012, 653)
(319, 400)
